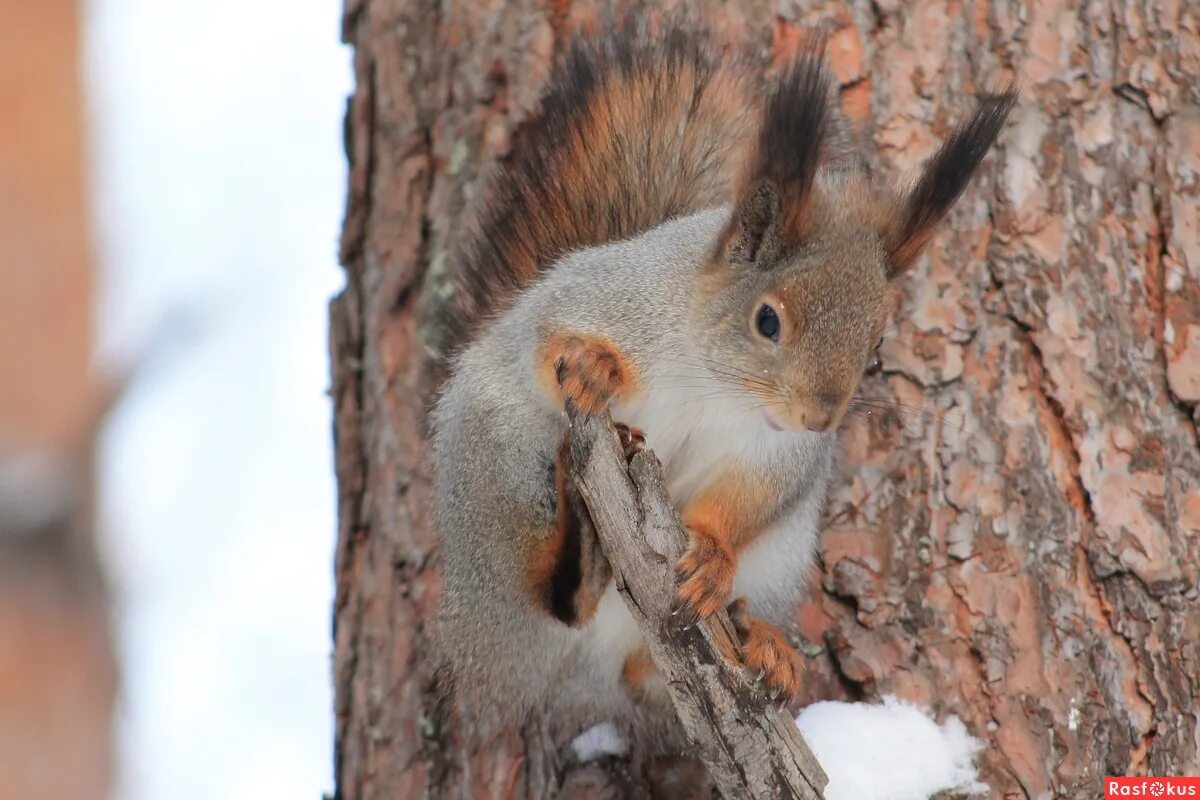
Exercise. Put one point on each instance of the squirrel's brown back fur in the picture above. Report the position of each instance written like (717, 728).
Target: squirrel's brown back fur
(635, 129)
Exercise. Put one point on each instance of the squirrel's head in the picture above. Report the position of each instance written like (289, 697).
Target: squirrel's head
(795, 298)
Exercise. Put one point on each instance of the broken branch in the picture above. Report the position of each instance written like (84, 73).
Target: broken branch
(751, 748)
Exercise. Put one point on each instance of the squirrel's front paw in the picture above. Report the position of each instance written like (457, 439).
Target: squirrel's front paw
(767, 652)
(704, 578)
(589, 373)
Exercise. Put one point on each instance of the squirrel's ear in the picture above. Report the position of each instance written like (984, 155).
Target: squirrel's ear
(774, 196)
(753, 234)
(943, 179)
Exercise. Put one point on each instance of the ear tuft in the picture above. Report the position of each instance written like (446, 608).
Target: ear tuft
(774, 196)
(944, 178)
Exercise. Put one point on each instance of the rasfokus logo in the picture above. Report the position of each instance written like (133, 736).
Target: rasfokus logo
(1151, 787)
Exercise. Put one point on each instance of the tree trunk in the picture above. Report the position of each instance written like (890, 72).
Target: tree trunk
(1014, 540)
(58, 676)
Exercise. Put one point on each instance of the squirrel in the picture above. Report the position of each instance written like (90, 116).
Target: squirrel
(695, 248)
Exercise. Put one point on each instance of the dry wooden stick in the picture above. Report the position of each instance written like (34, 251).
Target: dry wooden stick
(751, 748)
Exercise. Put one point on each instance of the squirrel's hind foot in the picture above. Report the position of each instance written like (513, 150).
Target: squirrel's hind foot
(767, 652)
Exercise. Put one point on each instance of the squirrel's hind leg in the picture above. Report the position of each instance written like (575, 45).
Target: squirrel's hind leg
(570, 573)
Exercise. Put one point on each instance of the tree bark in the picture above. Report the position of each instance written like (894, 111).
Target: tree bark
(1014, 538)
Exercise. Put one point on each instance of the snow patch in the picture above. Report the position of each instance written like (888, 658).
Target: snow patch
(599, 741)
(889, 752)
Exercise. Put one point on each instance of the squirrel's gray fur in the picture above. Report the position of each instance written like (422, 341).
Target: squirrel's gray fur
(494, 447)
(669, 298)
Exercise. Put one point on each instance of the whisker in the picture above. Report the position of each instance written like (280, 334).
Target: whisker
(891, 402)
(711, 379)
(716, 363)
(738, 416)
(886, 403)
(721, 368)
(941, 416)
(864, 414)
(722, 387)
(728, 386)
(714, 396)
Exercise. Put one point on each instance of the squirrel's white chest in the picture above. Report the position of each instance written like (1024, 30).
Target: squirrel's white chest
(696, 433)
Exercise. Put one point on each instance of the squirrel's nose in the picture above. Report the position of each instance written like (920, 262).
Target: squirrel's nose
(821, 415)
(818, 420)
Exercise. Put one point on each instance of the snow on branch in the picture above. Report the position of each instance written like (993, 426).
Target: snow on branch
(751, 748)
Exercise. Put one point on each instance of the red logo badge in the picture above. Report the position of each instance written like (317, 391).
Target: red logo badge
(1151, 787)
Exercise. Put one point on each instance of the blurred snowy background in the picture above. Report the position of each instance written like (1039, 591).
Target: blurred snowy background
(217, 177)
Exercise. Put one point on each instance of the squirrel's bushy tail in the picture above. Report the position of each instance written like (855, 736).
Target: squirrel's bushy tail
(636, 128)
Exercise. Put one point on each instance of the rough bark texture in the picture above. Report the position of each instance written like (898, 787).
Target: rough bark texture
(750, 748)
(1017, 543)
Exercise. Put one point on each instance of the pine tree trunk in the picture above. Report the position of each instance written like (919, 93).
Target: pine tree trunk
(58, 674)
(1016, 540)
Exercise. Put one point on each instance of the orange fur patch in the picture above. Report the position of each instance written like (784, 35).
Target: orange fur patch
(637, 670)
(592, 369)
(732, 508)
(788, 41)
(856, 101)
(566, 573)
(705, 574)
(645, 125)
(545, 558)
(721, 520)
(766, 649)
(542, 565)
(909, 250)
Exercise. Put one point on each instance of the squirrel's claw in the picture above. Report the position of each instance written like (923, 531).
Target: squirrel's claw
(633, 441)
(683, 615)
(768, 653)
(589, 374)
(703, 579)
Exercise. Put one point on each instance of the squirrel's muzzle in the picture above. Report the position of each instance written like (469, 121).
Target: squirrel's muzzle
(819, 414)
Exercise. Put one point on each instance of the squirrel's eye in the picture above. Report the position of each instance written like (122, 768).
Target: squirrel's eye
(766, 321)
